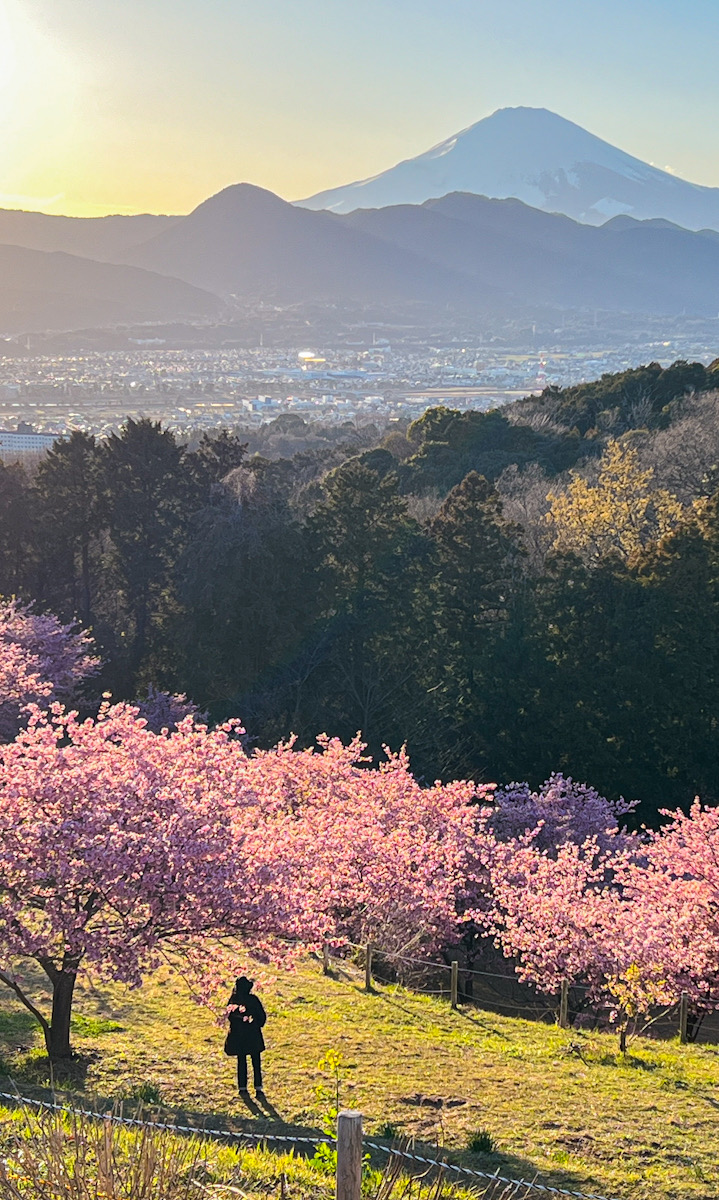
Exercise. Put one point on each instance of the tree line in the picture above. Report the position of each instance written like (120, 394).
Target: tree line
(409, 591)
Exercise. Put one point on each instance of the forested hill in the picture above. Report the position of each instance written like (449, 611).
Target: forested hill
(553, 430)
(510, 593)
(642, 397)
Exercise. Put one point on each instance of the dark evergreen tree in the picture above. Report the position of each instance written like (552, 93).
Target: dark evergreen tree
(369, 554)
(681, 690)
(475, 591)
(67, 489)
(146, 511)
(17, 549)
(216, 455)
(246, 603)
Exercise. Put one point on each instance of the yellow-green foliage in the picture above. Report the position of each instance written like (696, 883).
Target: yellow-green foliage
(46, 1155)
(65, 1155)
(620, 513)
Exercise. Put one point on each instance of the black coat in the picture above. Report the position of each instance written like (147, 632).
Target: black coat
(245, 1036)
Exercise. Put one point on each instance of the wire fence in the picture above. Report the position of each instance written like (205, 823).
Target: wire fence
(496, 990)
(506, 993)
(247, 1137)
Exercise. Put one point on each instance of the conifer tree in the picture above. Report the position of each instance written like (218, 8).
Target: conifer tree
(16, 529)
(68, 500)
(146, 492)
(475, 593)
(369, 552)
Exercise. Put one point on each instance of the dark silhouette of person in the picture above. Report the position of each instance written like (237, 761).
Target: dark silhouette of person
(246, 1016)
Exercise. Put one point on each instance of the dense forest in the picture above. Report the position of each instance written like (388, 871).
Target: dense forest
(509, 593)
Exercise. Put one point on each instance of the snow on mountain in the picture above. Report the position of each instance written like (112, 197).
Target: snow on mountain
(538, 157)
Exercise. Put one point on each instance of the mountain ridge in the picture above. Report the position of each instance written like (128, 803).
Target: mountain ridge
(460, 250)
(539, 157)
(88, 237)
(247, 241)
(54, 290)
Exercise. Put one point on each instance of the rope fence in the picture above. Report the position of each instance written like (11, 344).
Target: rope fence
(258, 1139)
(540, 1006)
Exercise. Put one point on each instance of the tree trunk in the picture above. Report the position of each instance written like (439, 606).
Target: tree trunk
(85, 574)
(58, 1039)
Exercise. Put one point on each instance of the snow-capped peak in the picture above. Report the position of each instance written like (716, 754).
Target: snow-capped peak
(538, 157)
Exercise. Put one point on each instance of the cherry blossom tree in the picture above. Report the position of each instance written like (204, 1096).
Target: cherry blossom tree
(166, 710)
(116, 841)
(549, 912)
(41, 660)
(673, 887)
(637, 924)
(383, 859)
(561, 810)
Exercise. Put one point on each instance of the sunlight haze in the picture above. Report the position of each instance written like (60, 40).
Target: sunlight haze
(155, 106)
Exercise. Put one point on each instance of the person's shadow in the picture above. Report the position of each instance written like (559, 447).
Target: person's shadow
(246, 1099)
(268, 1106)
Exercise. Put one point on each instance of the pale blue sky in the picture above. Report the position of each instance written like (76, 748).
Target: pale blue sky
(129, 105)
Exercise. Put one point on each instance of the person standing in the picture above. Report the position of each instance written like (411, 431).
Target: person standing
(247, 1017)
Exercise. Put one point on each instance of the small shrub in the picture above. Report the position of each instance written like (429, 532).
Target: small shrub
(324, 1159)
(147, 1092)
(481, 1142)
(388, 1130)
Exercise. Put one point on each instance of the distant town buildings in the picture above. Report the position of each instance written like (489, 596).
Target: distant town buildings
(366, 382)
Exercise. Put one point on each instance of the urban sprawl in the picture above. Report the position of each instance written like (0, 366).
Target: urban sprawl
(43, 397)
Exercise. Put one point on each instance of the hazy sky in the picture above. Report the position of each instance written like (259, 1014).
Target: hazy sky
(152, 105)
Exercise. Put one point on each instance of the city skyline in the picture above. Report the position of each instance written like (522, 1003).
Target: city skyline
(160, 107)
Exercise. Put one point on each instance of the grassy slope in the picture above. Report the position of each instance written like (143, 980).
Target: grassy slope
(561, 1105)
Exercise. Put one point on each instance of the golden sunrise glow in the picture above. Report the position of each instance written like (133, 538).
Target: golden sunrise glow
(36, 98)
(154, 105)
(9, 56)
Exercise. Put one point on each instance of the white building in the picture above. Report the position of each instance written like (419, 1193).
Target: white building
(13, 443)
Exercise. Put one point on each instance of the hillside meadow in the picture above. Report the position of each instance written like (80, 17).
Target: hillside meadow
(562, 1107)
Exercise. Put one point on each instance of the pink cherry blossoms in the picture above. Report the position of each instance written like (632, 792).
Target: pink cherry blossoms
(115, 839)
(143, 829)
(383, 859)
(118, 841)
(672, 892)
(40, 660)
(165, 710)
(561, 810)
(636, 923)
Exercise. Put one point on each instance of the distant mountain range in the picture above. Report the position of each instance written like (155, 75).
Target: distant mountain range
(536, 156)
(102, 238)
(460, 250)
(40, 290)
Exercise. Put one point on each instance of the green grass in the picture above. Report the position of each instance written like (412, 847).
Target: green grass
(156, 1165)
(561, 1105)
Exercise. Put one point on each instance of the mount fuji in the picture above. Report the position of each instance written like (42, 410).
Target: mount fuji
(536, 156)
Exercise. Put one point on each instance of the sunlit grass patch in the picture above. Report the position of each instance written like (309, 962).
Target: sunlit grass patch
(49, 1155)
(564, 1106)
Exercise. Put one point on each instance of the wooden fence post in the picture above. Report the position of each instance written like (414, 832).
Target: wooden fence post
(454, 983)
(683, 1018)
(349, 1155)
(325, 958)
(564, 1005)
(368, 967)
